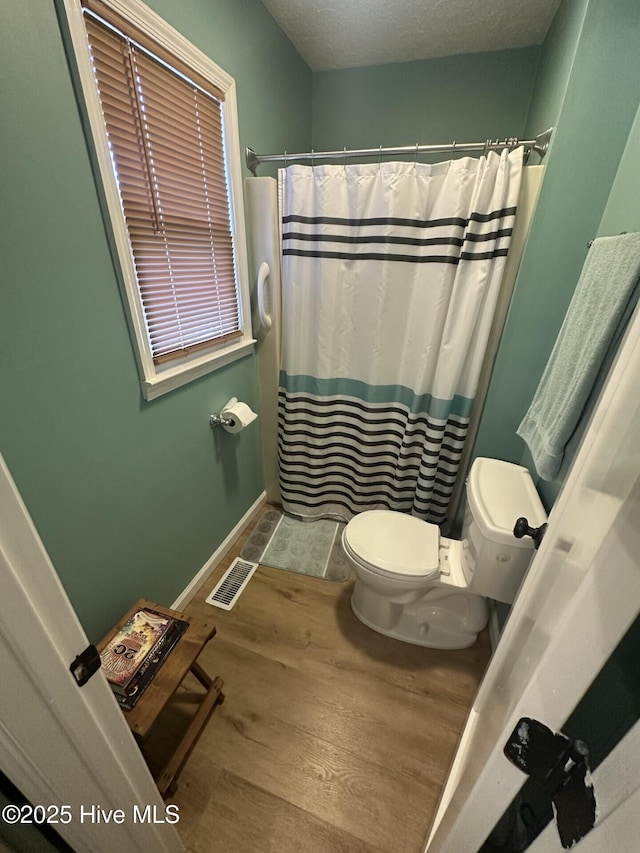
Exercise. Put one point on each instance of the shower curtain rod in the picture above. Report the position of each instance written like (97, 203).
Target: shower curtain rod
(540, 145)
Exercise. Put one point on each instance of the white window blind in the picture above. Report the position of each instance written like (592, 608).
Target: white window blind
(165, 132)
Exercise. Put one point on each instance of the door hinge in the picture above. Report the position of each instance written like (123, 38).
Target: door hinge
(561, 766)
(85, 665)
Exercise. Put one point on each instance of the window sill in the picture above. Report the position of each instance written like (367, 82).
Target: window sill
(174, 377)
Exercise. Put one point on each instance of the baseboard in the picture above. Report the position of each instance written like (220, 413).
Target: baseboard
(188, 593)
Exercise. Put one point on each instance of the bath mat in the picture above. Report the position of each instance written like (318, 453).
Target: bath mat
(306, 547)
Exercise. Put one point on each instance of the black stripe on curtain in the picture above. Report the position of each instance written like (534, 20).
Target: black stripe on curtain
(394, 220)
(461, 238)
(415, 259)
(348, 454)
(387, 240)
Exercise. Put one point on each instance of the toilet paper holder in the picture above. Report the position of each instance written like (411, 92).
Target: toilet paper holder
(233, 417)
(217, 420)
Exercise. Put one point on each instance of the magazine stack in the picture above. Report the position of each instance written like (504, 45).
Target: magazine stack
(133, 657)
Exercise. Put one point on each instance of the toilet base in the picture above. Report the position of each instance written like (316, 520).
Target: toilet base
(445, 617)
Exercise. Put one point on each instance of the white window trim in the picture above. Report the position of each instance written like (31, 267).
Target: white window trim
(159, 379)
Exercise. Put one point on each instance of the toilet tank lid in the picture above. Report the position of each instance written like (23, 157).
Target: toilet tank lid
(499, 493)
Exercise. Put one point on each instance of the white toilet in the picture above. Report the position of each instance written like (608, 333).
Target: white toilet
(416, 586)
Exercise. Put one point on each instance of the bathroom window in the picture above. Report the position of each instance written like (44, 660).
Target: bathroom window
(163, 120)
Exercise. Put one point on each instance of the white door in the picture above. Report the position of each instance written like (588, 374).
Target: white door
(67, 748)
(581, 594)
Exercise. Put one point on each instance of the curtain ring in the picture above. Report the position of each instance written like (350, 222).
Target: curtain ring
(285, 159)
(313, 159)
(415, 159)
(453, 151)
(344, 157)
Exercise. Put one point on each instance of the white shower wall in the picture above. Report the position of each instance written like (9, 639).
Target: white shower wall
(263, 235)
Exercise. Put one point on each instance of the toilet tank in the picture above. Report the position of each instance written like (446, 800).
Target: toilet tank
(494, 562)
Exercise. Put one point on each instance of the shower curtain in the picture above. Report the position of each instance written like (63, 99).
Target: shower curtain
(390, 277)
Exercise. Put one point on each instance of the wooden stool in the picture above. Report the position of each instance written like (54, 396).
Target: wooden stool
(181, 660)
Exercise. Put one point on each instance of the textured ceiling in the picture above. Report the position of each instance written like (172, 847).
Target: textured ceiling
(349, 33)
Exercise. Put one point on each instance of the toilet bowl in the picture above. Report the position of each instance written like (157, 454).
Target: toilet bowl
(416, 586)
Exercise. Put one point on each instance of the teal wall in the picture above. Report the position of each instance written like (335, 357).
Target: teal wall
(130, 497)
(597, 108)
(622, 212)
(469, 98)
(556, 60)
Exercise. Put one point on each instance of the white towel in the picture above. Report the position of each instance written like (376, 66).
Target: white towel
(601, 305)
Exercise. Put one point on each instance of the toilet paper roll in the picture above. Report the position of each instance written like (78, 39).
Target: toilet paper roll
(238, 414)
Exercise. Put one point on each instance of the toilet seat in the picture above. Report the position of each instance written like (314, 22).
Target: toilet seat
(393, 544)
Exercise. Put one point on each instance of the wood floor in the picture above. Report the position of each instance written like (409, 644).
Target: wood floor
(331, 738)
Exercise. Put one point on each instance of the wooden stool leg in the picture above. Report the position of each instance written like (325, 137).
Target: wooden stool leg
(169, 774)
(202, 676)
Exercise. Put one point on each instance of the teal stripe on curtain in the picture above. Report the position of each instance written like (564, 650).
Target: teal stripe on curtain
(343, 387)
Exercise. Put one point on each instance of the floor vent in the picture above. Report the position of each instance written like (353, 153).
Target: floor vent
(234, 580)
